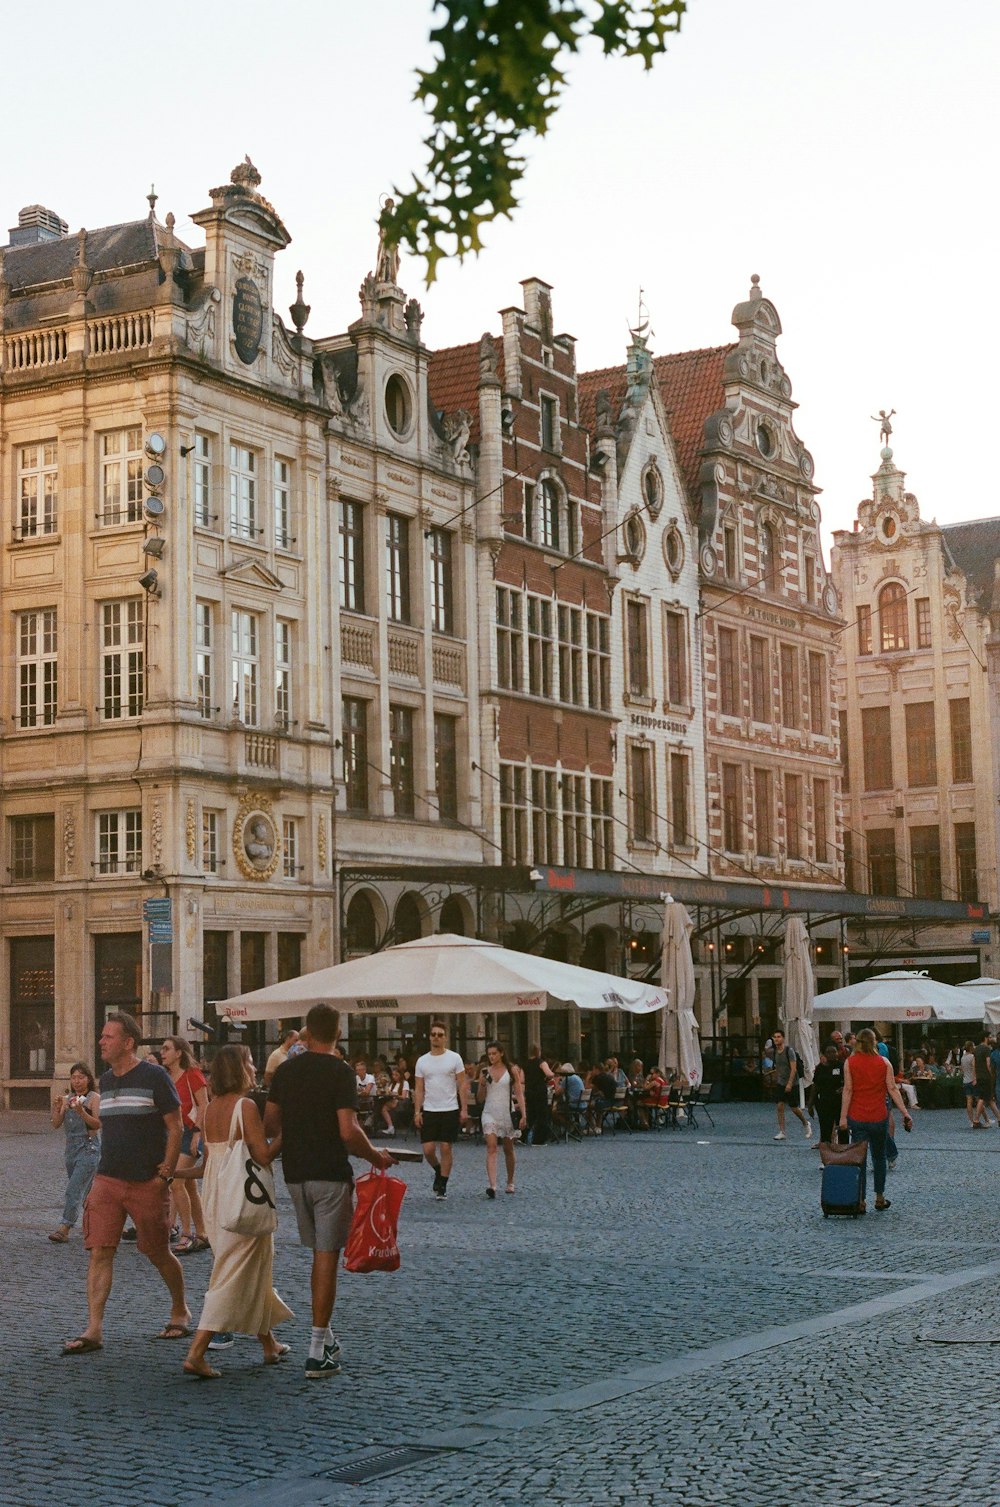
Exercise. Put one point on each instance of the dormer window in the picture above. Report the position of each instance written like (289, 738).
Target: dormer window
(398, 405)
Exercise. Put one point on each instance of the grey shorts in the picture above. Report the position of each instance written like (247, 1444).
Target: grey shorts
(323, 1212)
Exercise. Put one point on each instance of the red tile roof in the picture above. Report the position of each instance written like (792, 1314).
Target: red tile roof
(691, 388)
(453, 380)
(589, 384)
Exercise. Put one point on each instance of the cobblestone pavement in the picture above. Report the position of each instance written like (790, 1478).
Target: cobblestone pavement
(653, 1318)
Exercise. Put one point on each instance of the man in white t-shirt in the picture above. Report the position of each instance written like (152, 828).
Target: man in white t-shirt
(280, 1054)
(439, 1104)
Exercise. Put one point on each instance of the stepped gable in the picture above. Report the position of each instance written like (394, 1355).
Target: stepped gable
(110, 249)
(453, 381)
(691, 387)
(614, 380)
(974, 547)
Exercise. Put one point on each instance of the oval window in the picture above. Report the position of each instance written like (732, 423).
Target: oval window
(673, 550)
(765, 444)
(398, 407)
(635, 536)
(652, 487)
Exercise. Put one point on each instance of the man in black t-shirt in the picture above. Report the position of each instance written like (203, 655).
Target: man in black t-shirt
(313, 1105)
(826, 1089)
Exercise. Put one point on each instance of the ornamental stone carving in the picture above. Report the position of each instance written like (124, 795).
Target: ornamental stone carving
(321, 844)
(190, 832)
(156, 833)
(255, 837)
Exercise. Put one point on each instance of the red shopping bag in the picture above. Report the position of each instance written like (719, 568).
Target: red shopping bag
(371, 1243)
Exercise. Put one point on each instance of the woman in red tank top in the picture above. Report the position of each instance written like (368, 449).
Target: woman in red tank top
(868, 1084)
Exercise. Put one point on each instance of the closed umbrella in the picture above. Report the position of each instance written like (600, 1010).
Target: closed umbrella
(680, 1042)
(446, 975)
(799, 986)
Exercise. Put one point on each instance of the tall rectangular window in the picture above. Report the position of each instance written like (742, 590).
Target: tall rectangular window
(122, 660)
(397, 567)
(864, 623)
(877, 743)
(32, 847)
(290, 865)
(282, 504)
(203, 481)
(121, 477)
(246, 668)
(760, 680)
(442, 611)
(763, 812)
(401, 760)
(961, 740)
(598, 662)
(793, 815)
(643, 815)
(882, 876)
(352, 556)
(574, 821)
(602, 833)
(680, 800)
(677, 658)
(119, 842)
(570, 620)
(540, 647)
(732, 808)
(966, 881)
(204, 669)
(845, 762)
(510, 640)
(729, 673)
(549, 423)
(513, 813)
(925, 856)
(791, 711)
(242, 492)
(446, 765)
(818, 720)
(821, 819)
(921, 748)
(530, 522)
(809, 572)
(37, 668)
(210, 853)
(355, 740)
(637, 646)
(548, 516)
(544, 817)
(923, 622)
(283, 673)
(38, 488)
(730, 554)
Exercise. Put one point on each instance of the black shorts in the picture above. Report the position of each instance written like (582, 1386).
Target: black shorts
(984, 1091)
(439, 1125)
(790, 1095)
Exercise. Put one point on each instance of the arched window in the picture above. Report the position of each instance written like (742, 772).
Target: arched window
(452, 917)
(892, 617)
(770, 573)
(408, 922)
(361, 929)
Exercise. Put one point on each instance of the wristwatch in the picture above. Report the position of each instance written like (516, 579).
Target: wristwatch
(164, 1178)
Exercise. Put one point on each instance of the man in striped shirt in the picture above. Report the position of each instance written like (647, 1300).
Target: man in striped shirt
(141, 1136)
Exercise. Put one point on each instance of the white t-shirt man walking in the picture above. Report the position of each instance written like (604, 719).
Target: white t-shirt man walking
(439, 1104)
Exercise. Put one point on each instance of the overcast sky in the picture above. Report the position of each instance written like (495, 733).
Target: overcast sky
(846, 153)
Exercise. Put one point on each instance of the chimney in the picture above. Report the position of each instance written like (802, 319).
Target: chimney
(35, 224)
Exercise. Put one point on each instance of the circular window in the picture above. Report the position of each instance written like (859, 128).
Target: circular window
(673, 550)
(765, 443)
(652, 489)
(398, 405)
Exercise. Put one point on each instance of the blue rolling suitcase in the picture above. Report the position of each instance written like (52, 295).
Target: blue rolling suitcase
(843, 1189)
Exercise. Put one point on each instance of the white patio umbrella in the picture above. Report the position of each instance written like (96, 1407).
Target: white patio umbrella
(446, 975)
(903, 995)
(680, 1042)
(798, 988)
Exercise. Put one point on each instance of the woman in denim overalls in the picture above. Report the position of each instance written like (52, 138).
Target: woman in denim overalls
(78, 1113)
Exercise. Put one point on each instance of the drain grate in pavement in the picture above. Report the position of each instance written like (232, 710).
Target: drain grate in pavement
(383, 1464)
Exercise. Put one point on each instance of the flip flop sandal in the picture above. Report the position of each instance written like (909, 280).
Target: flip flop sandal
(199, 1243)
(210, 1375)
(81, 1346)
(183, 1245)
(281, 1353)
(174, 1332)
(58, 1237)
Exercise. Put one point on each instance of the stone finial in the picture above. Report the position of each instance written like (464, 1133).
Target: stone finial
(81, 274)
(245, 175)
(151, 199)
(755, 285)
(299, 310)
(604, 417)
(171, 222)
(413, 318)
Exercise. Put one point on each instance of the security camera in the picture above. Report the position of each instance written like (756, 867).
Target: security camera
(506, 418)
(149, 580)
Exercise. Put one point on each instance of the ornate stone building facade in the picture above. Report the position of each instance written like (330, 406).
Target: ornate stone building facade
(185, 481)
(916, 683)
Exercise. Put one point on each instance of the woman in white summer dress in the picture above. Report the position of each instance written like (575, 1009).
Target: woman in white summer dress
(500, 1087)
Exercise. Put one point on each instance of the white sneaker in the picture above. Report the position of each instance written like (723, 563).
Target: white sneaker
(780, 1136)
(809, 1131)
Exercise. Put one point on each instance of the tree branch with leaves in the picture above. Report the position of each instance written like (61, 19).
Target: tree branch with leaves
(500, 78)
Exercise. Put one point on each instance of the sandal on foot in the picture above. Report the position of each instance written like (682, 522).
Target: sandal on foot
(279, 1353)
(882, 1203)
(60, 1236)
(81, 1346)
(198, 1243)
(511, 1189)
(208, 1374)
(174, 1331)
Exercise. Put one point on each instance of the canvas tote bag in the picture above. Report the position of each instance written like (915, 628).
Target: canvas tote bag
(246, 1199)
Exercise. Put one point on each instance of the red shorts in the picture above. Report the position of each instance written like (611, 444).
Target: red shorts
(111, 1198)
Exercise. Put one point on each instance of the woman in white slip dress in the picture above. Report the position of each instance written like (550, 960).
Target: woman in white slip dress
(500, 1088)
(240, 1296)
